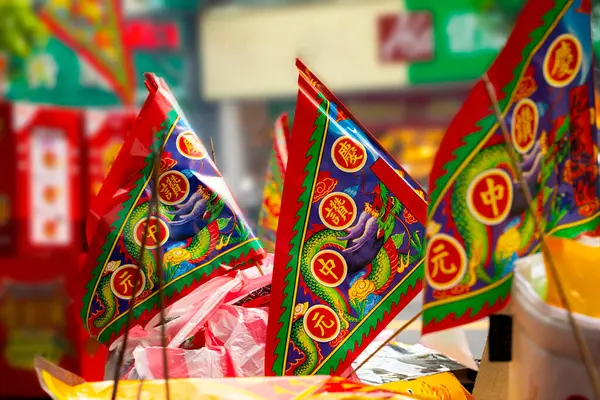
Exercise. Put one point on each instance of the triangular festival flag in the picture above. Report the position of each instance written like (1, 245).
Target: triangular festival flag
(199, 229)
(94, 29)
(271, 206)
(479, 222)
(349, 240)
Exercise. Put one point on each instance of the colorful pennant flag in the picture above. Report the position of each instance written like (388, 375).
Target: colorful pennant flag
(349, 240)
(199, 229)
(269, 212)
(478, 218)
(94, 29)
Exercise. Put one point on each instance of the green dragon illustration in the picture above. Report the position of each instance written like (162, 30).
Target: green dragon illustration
(539, 165)
(376, 224)
(201, 245)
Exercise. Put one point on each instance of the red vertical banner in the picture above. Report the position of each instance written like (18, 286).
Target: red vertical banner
(49, 210)
(105, 132)
(95, 30)
(7, 183)
(37, 317)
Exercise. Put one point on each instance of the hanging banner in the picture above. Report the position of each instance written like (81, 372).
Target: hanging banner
(479, 222)
(94, 29)
(199, 230)
(269, 212)
(349, 240)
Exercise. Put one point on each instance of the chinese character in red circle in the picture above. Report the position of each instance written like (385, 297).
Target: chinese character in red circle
(563, 60)
(122, 281)
(524, 125)
(490, 196)
(321, 323)
(329, 268)
(348, 154)
(190, 146)
(158, 232)
(173, 187)
(337, 210)
(446, 262)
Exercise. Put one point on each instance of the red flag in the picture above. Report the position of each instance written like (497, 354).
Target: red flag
(349, 240)
(94, 29)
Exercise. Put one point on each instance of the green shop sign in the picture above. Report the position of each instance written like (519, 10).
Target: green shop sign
(56, 75)
(468, 35)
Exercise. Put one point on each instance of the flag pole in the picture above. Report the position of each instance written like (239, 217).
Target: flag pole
(581, 344)
(160, 276)
(136, 283)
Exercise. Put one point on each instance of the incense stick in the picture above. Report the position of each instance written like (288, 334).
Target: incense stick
(212, 151)
(136, 283)
(160, 275)
(388, 340)
(582, 346)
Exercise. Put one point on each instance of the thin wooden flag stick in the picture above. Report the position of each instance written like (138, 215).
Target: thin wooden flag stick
(160, 276)
(581, 344)
(212, 151)
(382, 345)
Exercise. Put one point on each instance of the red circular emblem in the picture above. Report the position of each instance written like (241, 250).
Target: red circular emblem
(329, 268)
(348, 154)
(158, 232)
(337, 211)
(321, 323)
(123, 279)
(190, 145)
(490, 196)
(563, 60)
(524, 125)
(173, 187)
(446, 262)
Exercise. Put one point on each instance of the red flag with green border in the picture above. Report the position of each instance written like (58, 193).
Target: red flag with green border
(94, 29)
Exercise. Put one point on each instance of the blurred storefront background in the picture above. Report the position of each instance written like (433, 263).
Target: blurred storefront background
(402, 66)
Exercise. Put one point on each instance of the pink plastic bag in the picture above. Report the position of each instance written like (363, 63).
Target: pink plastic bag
(207, 335)
(235, 347)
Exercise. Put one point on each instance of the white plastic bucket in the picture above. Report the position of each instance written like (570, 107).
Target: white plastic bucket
(546, 362)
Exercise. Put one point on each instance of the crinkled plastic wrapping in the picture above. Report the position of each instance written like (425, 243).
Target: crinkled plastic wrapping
(63, 385)
(546, 362)
(207, 336)
(398, 361)
(235, 347)
(580, 283)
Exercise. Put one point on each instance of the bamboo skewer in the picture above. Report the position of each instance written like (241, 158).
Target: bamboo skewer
(212, 151)
(160, 275)
(578, 336)
(152, 209)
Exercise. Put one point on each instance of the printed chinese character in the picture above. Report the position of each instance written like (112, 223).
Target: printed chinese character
(327, 268)
(321, 324)
(349, 154)
(439, 261)
(336, 210)
(524, 121)
(126, 282)
(190, 146)
(562, 62)
(173, 182)
(166, 193)
(492, 195)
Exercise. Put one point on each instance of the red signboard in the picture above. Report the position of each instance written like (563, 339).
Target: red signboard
(406, 37)
(152, 35)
